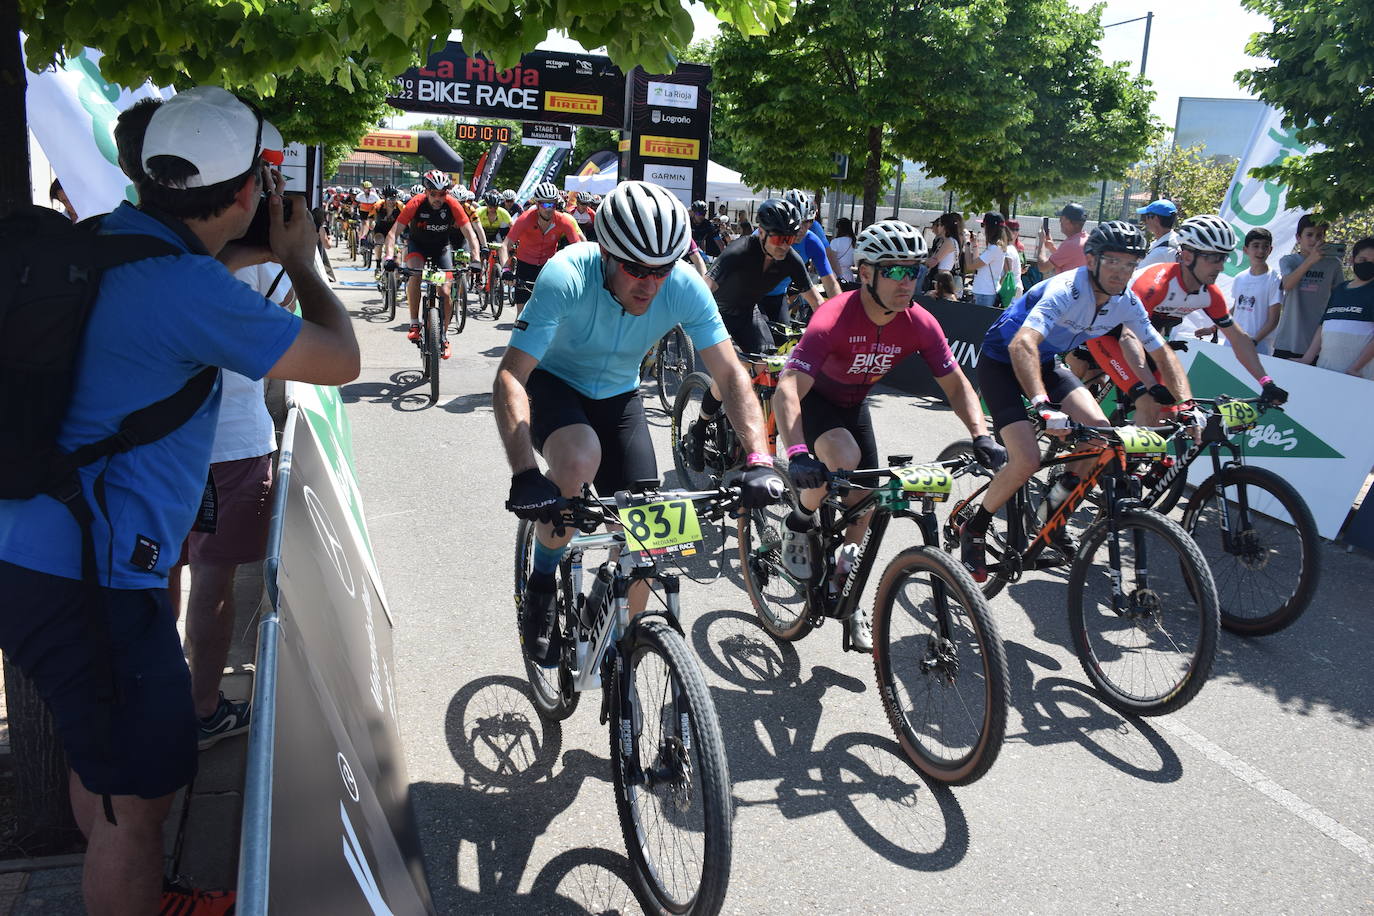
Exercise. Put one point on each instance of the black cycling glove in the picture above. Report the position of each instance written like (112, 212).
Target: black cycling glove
(390, 264)
(807, 471)
(989, 452)
(1163, 397)
(534, 497)
(1273, 393)
(760, 486)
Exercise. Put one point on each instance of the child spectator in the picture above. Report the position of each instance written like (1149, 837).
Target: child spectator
(1256, 297)
(1309, 274)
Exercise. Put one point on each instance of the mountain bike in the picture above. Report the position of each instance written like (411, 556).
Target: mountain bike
(459, 290)
(938, 660)
(494, 292)
(1253, 527)
(723, 449)
(1144, 617)
(350, 228)
(431, 342)
(670, 360)
(668, 766)
(389, 287)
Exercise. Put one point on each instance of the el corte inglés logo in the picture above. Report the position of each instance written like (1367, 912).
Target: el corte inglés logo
(574, 102)
(669, 147)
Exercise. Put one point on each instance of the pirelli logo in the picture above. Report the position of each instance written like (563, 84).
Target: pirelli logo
(669, 147)
(391, 141)
(624, 146)
(573, 102)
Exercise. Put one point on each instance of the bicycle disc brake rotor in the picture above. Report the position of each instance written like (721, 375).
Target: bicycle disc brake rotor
(1248, 546)
(942, 660)
(1144, 609)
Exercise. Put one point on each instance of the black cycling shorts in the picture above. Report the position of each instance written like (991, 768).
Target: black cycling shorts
(525, 273)
(819, 416)
(1002, 392)
(416, 256)
(627, 452)
(749, 331)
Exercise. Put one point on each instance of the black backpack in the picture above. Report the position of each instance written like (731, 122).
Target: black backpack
(50, 272)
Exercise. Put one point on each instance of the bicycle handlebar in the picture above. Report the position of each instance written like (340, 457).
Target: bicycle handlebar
(586, 513)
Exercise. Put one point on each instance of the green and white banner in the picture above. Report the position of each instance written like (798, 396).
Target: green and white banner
(1320, 443)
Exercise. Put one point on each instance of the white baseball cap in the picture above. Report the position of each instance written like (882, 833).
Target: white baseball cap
(214, 131)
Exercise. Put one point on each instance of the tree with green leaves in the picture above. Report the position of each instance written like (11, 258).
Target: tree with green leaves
(1076, 119)
(1193, 180)
(867, 79)
(1321, 56)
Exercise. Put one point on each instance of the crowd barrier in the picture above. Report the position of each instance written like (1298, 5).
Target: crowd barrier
(327, 821)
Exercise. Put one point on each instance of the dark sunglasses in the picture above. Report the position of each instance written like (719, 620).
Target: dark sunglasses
(898, 272)
(783, 239)
(546, 205)
(641, 272)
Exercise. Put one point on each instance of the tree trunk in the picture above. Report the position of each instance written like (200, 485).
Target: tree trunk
(14, 140)
(1004, 205)
(42, 811)
(872, 173)
(43, 822)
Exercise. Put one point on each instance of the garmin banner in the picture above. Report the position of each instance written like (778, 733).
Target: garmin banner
(547, 86)
(328, 826)
(965, 325)
(670, 129)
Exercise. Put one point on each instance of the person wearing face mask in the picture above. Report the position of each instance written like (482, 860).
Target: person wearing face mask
(821, 400)
(1345, 340)
(568, 384)
(1169, 292)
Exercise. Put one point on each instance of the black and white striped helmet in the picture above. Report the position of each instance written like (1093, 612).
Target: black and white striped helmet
(1206, 233)
(1115, 235)
(545, 192)
(644, 223)
(889, 240)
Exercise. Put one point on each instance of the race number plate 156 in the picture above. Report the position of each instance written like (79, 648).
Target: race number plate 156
(928, 480)
(1142, 441)
(661, 525)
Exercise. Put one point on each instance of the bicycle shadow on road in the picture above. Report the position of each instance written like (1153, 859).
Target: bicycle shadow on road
(470, 403)
(1055, 710)
(401, 391)
(478, 836)
(770, 729)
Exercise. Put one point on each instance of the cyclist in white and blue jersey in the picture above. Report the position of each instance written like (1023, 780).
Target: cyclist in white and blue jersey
(568, 385)
(1019, 360)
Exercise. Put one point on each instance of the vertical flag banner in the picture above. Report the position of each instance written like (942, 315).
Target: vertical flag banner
(535, 173)
(491, 162)
(560, 155)
(477, 173)
(1251, 203)
(72, 110)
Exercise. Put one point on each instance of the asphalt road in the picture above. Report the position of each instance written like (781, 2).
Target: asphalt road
(1258, 797)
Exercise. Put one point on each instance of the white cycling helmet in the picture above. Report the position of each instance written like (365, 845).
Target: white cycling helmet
(437, 179)
(416, 189)
(464, 195)
(889, 240)
(508, 194)
(802, 201)
(644, 223)
(545, 192)
(1206, 233)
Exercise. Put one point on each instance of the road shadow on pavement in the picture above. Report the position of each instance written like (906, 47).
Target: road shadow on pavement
(478, 835)
(770, 728)
(402, 391)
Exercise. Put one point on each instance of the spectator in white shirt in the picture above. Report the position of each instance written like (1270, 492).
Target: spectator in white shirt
(1158, 218)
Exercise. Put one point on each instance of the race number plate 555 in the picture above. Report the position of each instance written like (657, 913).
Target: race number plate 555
(659, 525)
(928, 480)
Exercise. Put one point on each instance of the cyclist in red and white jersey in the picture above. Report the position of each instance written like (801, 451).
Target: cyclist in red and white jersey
(851, 342)
(1169, 292)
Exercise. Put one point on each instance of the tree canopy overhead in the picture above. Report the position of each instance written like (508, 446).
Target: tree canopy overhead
(249, 43)
(1320, 78)
(1075, 118)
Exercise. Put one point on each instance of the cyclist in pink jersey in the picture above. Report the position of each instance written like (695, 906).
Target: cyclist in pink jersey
(852, 341)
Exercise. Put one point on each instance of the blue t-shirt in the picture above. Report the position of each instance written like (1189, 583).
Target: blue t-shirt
(155, 324)
(816, 230)
(1065, 313)
(582, 335)
(812, 249)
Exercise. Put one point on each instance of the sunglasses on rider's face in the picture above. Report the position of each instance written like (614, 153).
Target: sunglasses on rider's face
(548, 205)
(782, 239)
(898, 272)
(1211, 257)
(641, 272)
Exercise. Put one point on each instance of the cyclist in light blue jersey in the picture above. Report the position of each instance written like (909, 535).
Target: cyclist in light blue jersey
(1019, 360)
(568, 385)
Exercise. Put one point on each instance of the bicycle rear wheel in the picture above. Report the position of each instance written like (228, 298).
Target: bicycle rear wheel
(554, 696)
(434, 345)
(1267, 567)
(498, 296)
(1154, 654)
(675, 361)
(674, 801)
(460, 301)
(941, 668)
(779, 600)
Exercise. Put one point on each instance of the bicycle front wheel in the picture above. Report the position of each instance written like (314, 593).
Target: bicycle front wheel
(779, 600)
(460, 301)
(552, 688)
(940, 665)
(686, 411)
(390, 295)
(673, 796)
(1267, 565)
(1145, 632)
(434, 345)
(675, 360)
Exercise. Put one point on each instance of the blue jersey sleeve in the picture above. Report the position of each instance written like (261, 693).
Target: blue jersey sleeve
(1139, 322)
(559, 284)
(815, 253)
